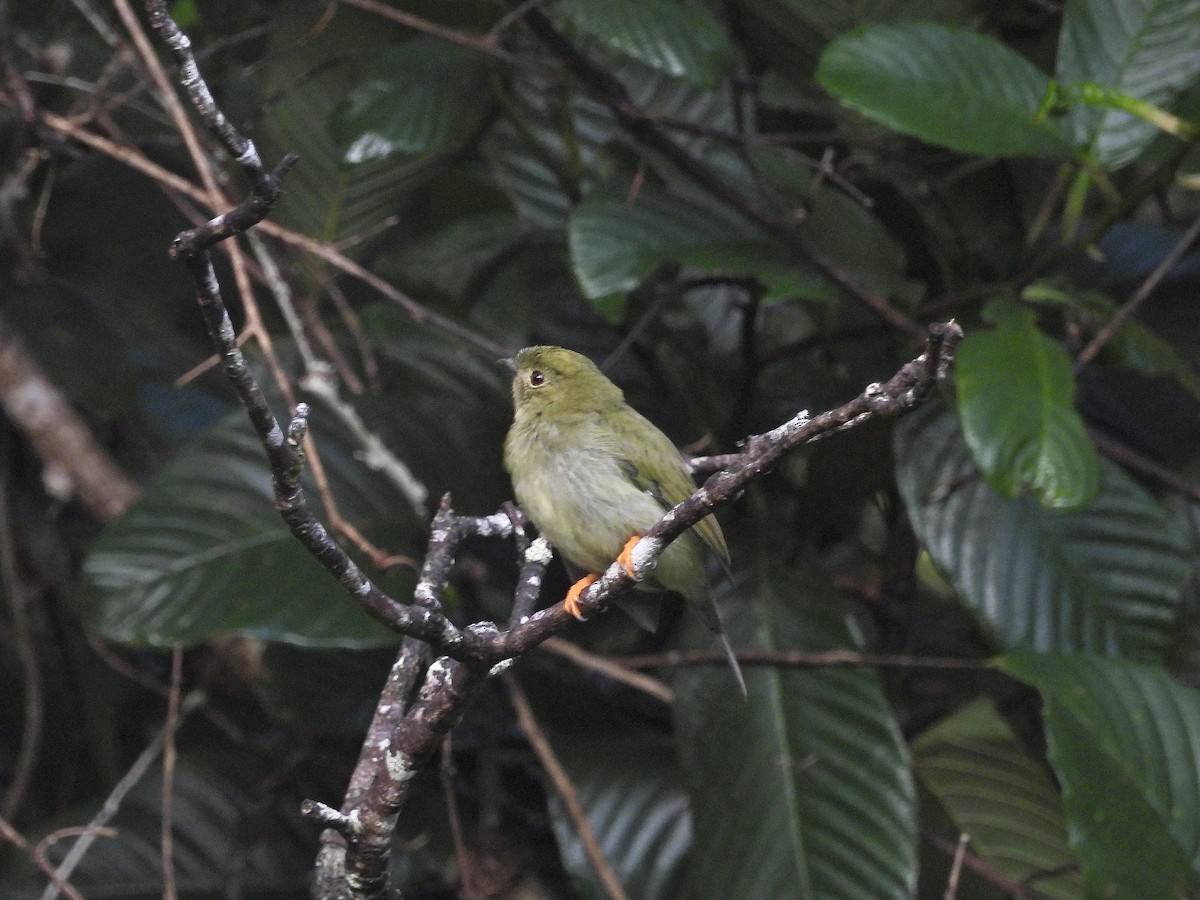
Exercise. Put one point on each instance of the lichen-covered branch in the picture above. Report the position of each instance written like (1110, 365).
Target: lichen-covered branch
(422, 700)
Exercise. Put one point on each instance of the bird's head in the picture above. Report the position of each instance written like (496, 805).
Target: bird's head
(555, 380)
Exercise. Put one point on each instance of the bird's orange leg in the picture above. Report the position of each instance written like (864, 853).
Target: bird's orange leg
(625, 558)
(571, 601)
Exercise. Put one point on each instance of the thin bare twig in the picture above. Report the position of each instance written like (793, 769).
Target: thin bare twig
(1140, 296)
(616, 669)
(960, 853)
(466, 871)
(31, 674)
(1147, 468)
(15, 838)
(112, 803)
(800, 660)
(170, 728)
(565, 789)
(1015, 890)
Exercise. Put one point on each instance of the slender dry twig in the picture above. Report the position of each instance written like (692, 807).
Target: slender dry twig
(31, 674)
(565, 789)
(112, 803)
(960, 853)
(799, 660)
(15, 838)
(616, 669)
(1140, 296)
(167, 823)
(1014, 890)
(1147, 468)
(466, 871)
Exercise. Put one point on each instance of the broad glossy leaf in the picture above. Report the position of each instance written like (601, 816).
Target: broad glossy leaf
(1147, 49)
(420, 97)
(203, 552)
(1016, 396)
(1106, 578)
(306, 77)
(995, 791)
(543, 154)
(1124, 740)
(614, 245)
(804, 791)
(633, 795)
(947, 86)
(677, 40)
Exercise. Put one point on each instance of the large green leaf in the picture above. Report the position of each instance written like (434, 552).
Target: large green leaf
(635, 801)
(1124, 740)
(994, 791)
(1106, 578)
(308, 77)
(947, 86)
(1016, 397)
(203, 552)
(420, 97)
(680, 41)
(804, 790)
(614, 245)
(1147, 49)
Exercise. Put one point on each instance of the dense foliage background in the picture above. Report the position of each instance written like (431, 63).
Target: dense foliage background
(745, 209)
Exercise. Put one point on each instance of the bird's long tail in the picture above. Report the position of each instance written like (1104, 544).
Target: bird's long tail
(733, 663)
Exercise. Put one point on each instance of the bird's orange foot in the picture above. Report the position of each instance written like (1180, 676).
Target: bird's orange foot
(571, 601)
(625, 558)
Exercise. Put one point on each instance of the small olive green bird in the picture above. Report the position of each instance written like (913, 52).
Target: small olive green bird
(594, 475)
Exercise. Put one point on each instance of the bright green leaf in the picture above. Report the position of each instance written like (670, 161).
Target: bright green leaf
(804, 791)
(996, 792)
(1124, 740)
(947, 86)
(1105, 579)
(683, 42)
(1146, 49)
(1015, 398)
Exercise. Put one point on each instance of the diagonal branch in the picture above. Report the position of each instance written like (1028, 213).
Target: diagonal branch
(408, 729)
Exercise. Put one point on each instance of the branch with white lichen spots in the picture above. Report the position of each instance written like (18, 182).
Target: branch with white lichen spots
(441, 666)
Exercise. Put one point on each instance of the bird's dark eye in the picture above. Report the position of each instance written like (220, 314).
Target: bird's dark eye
(537, 378)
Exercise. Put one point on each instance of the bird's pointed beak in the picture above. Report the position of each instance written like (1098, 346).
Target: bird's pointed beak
(509, 362)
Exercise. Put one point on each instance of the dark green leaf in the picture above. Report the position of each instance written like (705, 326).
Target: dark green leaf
(994, 791)
(1016, 397)
(1145, 49)
(1124, 740)
(635, 802)
(1106, 578)
(420, 97)
(203, 552)
(804, 790)
(615, 245)
(680, 41)
(947, 86)
(457, 255)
